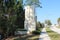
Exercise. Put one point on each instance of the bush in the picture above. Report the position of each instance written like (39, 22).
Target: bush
(21, 29)
(36, 32)
(17, 39)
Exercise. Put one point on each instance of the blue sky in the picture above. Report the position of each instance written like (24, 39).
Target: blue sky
(50, 10)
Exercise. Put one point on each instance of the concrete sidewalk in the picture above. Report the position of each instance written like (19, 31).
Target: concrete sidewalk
(44, 35)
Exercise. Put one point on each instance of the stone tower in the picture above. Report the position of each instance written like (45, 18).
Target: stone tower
(30, 22)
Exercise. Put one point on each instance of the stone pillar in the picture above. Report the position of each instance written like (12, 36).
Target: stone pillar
(30, 23)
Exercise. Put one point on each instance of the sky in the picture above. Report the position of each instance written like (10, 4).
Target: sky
(50, 10)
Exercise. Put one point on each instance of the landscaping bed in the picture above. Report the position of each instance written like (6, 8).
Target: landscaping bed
(28, 37)
(25, 37)
(34, 36)
(38, 31)
(53, 35)
(20, 32)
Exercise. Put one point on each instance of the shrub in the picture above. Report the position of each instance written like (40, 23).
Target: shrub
(21, 29)
(36, 32)
(17, 39)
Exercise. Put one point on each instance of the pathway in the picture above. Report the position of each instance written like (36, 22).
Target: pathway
(44, 35)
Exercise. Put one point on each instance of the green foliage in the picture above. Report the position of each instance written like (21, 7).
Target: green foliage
(36, 32)
(3, 23)
(39, 25)
(21, 29)
(17, 39)
(11, 16)
(20, 17)
(58, 20)
(33, 2)
(48, 22)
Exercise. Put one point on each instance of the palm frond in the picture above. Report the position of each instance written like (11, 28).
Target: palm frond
(33, 2)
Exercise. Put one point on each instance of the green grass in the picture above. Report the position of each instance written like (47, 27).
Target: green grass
(53, 35)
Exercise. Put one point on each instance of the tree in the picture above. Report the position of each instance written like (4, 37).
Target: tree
(11, 12)
(58, 21)
(20, 16)
(48, 22)
(39, 25)
(3, 23)
(33, 2)
(17, 19)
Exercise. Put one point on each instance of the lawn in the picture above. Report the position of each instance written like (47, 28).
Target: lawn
(53, 35)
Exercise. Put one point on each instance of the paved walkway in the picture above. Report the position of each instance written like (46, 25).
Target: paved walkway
(44, 35)
(55, 29)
